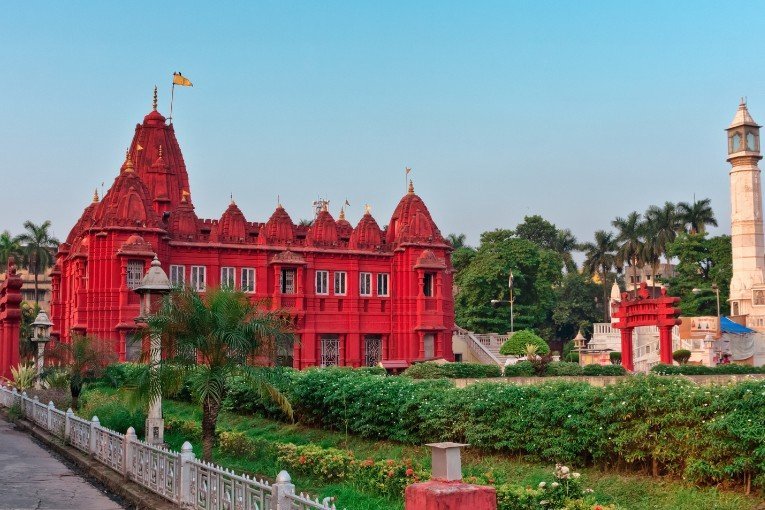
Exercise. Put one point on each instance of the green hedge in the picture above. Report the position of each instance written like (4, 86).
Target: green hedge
(727, 369)
(430, 370)
(516, 344)
(563, 368)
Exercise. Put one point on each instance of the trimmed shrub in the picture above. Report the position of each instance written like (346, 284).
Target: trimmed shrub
(726, 369)
(681, 356)
(516, 344)
(520, 369)
(603, 370)
(559, 368)
(572, 357)
(430, 370)
(615, 357)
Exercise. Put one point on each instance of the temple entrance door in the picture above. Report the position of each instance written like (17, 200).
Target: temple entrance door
(429, 345)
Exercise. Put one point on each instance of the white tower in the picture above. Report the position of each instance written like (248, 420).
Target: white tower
(747, 288)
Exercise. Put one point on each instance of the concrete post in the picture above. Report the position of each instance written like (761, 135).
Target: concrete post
(281, 487)
(68, 424)
(127, 452)
(187, 455)
(50, 415)
(93, 424)
(23, 402)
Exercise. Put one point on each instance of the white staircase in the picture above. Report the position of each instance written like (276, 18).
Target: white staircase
(484, 347)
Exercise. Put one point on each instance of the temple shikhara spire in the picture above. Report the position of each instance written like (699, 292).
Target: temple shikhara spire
(358, 295)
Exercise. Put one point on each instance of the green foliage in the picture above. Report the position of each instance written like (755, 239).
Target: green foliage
(615, 358)
(537, 230)
(575, 305)
(563, 368)
(726, 369)
(39, 245)
(113, 412)
(520, 369)
(603, 370)
(702, 262)
(430, 370)
(461, 257)
(681, 356)
(573, 357)
(23, 376)
(516, 344)
(535, 272)
(118, 375)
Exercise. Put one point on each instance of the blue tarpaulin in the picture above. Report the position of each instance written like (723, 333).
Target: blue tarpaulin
(728, 326)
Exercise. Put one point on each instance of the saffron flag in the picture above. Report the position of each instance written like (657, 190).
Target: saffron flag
(179, 79)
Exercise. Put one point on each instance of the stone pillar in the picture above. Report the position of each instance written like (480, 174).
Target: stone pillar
(187, 456)
(281, 488)
(665, 344)
(627, 349)
(155, 425)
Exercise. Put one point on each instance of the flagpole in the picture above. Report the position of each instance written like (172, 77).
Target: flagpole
(172, 97)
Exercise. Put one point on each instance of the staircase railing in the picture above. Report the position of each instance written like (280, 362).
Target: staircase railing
(477, 348)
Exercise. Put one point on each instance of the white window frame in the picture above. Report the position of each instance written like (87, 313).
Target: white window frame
(322, 282)
(341, 283)
(247, 279)
(177, 275)
(365, 284)
(383, 280)
(228, 277)
(198, 278)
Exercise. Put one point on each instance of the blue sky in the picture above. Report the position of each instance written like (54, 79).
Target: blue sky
(578, 111)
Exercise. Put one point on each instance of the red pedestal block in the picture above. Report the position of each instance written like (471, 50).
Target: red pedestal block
(437, 495)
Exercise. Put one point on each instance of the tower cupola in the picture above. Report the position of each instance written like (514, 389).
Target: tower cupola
(743, 134)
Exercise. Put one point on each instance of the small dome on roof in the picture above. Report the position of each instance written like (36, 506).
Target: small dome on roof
(367, 234)
(279, 228)
(323, 230)
(232, 223)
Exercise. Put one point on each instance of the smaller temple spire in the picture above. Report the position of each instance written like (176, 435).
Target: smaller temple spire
(95, 196)
(154, 103)
(411, 187)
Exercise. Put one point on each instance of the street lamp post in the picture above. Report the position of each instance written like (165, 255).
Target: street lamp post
(41, 325)
(155, 283)
(512, 299)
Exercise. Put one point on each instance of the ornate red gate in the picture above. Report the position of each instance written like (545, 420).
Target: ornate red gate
(642, 310)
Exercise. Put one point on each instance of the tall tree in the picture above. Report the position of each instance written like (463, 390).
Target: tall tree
(537, 230)
(39, 245)
(600, 258)
(575, 306)
(9, 247)
(630, 239)
(697, 216)
(565, 245)
(207, 339)
(665, 224)
(457, 240)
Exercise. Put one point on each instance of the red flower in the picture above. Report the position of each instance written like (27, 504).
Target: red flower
(409, 472)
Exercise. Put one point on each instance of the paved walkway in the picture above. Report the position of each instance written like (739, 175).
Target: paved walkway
(32, 478)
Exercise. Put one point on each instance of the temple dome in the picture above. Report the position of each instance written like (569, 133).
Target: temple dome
(411, 222)
(344, 227)
(127, 203)
(323, 230)
(232, 225)
(279, 228)
(367, 234)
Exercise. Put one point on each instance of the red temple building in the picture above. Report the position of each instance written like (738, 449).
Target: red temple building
(359, 295)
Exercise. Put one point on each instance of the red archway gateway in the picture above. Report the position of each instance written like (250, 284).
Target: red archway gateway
(643, 310)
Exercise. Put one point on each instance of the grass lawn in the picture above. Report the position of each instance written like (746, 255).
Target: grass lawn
(633, 492)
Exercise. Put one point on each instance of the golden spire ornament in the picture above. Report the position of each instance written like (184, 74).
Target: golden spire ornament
(95, 196)
(411, 187)
(154, 103)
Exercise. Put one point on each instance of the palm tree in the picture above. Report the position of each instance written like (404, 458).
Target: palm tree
(695, 217)
(9, 247)
(565, 244)
(630, 239)
(600, 257)
(38, 249)
(84, 358)
(207, 339)
(457, 240)
(662, 225)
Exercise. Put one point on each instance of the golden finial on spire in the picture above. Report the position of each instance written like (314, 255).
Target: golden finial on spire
(342, 213)
(95, 196)
(128, 161)
(411, 186)
(232, 199)
(154, 103)
(185, 196)
(325, 205)
(367, 209)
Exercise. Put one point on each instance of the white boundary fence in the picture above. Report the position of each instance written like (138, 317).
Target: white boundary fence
(177, 477)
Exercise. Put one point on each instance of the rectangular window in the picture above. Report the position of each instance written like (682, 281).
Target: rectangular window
(198, 278)
(340, 277)
(382, 284)
(365, 284)
(248, 279)
(134, 273)
(428, 284)
(227, 277)
(287, 281)
(177, 275)
(330, 350)
(322, 282)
